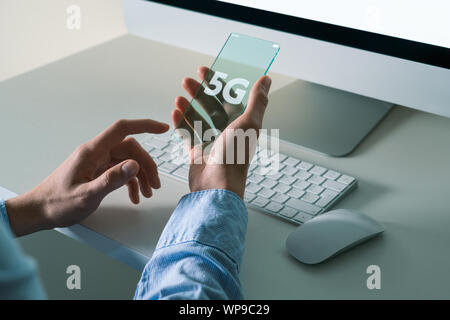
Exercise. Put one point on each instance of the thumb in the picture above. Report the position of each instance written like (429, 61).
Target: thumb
(258, 100)
(114, 178)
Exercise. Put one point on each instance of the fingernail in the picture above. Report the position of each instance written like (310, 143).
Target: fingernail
(266, 83)
(129, 169)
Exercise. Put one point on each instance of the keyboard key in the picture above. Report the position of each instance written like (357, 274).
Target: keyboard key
(279, 197)
(332, 175)
(182, 173)
(305, 166)
(158, 161)
(174, 154)
(275, 176)
(318, 170)
(176, 144)
(291, 161)
(255, 178)
(167, 167)
(266, 193)
(260, 202)
(165, 137)
(296, 193)
(281, 156)
(166, 156)
(147, 147)
(179, 161)
(156, 143)
(273, 206)
(303, 175)
(282, 188)
(346, 179)
(269, 183)
(303, 217)
(303, 206)
(168, 148)
(302, 185)
(288, 170)
(288, 212)
(316, 179)
(310, 198)
(252, 187)
(248, 196)
(329, 193)
(281, 166)
(333, 185)
(315, 189)
(264, 161)
(287, 180)
(324, 201)
(155, 153)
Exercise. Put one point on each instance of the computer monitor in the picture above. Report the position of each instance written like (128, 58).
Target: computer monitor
(353, 59)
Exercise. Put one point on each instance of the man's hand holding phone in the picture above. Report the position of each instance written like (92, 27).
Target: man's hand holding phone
(207, 174)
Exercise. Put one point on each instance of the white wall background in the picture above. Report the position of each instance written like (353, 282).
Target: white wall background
(34, 33)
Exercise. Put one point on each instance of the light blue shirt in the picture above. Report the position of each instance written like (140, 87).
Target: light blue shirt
(200, 250)
(198, 254)
(18, 272)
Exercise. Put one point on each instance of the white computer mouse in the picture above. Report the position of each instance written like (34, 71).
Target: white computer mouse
(330, 234)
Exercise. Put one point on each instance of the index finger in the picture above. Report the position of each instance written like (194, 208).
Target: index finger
(118, 131)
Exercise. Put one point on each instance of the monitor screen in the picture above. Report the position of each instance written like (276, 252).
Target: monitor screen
(414, 30)
(422, 21)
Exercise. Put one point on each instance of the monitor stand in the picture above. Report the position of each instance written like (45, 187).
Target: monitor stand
(327, 120)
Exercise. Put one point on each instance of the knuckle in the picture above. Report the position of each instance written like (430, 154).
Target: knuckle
(109, 178)
(86, 199)
(263, 98)
(132, 142)
(120, 125)
(82, 151)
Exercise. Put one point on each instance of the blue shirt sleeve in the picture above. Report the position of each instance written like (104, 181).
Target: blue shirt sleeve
(3, 214)
(200, 250)
(18, 272)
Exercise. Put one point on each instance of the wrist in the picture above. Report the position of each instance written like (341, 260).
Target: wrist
(26, 214)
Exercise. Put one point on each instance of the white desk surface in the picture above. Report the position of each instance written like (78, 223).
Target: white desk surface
(403, 171)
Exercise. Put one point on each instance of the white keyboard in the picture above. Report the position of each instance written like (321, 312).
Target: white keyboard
(297, 192)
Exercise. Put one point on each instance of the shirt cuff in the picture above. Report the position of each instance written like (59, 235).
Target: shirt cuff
(216, 218)
(3, 214)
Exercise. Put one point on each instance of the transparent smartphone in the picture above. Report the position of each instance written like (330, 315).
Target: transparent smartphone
(223, 94)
